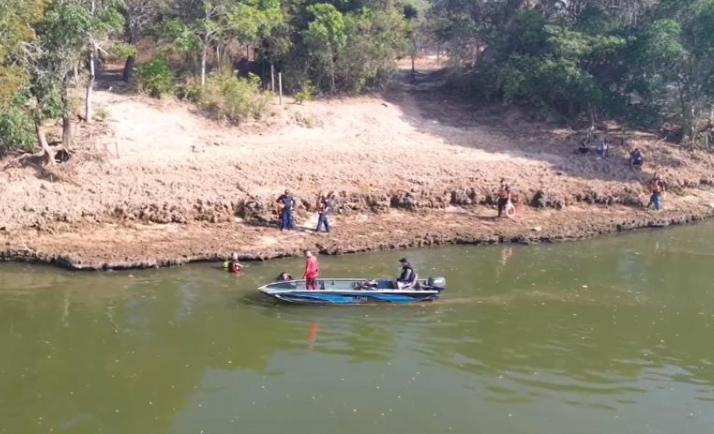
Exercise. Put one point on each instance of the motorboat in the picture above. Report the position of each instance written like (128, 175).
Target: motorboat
(354, 291)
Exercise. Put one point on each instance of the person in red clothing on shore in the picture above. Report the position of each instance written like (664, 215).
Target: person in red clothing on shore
(312, 271)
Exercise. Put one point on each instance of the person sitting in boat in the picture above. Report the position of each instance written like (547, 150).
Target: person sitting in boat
(284, 277)
(408, 277)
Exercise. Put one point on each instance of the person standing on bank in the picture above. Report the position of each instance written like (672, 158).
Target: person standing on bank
(312, 271)
(286, 203)
(658, 186)
(324, 207)
(504, 197)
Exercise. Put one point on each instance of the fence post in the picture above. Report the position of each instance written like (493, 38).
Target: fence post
(272, 77)
(280, 86)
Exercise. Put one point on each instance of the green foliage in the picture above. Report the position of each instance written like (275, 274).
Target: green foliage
(17, 130)
(227, 97)
(305, 94)
(156, 77)
(644, 65)
(119, 51)
(16, 17)
(346, 47)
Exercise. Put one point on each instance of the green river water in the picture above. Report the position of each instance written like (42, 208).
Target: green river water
(614, 335)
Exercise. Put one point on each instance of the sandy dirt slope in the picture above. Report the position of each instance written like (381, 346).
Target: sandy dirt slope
(156, 178)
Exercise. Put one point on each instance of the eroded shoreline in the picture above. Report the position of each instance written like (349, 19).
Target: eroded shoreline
(120, 247)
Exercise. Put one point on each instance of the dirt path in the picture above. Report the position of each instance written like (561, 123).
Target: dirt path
(157, 183)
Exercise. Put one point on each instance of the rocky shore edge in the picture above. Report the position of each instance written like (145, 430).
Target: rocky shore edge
(530, 230)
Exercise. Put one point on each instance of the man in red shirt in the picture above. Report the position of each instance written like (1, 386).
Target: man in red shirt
(312, 271)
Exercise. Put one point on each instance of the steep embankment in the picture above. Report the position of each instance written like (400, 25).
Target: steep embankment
(159, 184)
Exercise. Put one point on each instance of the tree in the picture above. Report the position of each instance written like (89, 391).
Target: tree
(16, 17)
(138, 14)
(202, 23)
(678, 48)
(105, 20)
(55, 51)
(325, 37)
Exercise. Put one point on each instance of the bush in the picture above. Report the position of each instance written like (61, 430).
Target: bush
(306, 93)
(16, 131)
(227, 97)
(156, 77)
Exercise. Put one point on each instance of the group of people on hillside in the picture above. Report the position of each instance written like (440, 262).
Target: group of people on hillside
(636, 159)
(286, 204)
(602, 149)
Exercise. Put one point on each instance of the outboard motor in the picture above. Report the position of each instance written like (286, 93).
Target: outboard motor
(437, 282)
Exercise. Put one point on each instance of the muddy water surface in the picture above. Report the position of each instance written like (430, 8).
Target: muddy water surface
(612, 335)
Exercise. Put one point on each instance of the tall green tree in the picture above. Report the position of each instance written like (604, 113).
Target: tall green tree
(678, 49)
(325, 38)
(203, 23)
(139, 15)
(59, 45)
(16, 20)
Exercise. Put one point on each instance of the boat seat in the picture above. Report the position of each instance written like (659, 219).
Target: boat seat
(414, 285)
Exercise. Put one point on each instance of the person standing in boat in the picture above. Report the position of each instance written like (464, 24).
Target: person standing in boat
(408, 276)
(312, 271)
(286, 203)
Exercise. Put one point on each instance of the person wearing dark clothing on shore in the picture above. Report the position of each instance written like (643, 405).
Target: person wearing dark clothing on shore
(658, 187)
(636, 158)
(408, 276)
(324, 208)
(504, 197)
(286, 204)
(583, 148)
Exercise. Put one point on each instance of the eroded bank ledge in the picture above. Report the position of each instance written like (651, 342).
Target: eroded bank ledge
(122, 247)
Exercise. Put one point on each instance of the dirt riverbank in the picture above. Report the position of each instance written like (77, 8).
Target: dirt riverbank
(158, 184)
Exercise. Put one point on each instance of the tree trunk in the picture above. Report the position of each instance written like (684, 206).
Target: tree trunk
(88, 112)
(67, 132)
(128, 73)
(333, 86)
(50, 154)
(204, 54)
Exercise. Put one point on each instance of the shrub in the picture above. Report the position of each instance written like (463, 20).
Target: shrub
(101, 113)
(156, 77)
(16, 131)
(190, 89)
(306, 93)
(228, 97)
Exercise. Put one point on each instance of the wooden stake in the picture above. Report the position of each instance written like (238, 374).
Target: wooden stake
(272, 78)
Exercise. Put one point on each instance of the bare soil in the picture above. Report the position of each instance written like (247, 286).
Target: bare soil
(157, 183)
